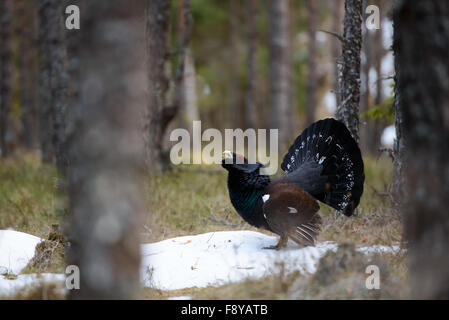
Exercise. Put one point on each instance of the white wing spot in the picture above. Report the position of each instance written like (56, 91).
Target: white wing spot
(292, 210)
(265, 197)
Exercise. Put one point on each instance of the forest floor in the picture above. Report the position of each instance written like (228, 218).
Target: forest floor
(193, 200)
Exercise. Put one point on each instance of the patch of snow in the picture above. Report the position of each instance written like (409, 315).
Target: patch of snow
(180, 298)
(16, 249)
(380, 249)
(217, 258)
(210, 259)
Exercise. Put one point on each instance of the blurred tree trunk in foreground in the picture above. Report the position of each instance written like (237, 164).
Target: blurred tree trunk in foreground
(160, 112)
(421, 45)
(106, 150)
(348, 110)
(279, 69)
(312, 84)
(5, 73)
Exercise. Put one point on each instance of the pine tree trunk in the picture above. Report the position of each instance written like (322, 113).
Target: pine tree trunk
(157, 42)
(58, 83)
(311, 85)
(398, 184)
(421, 44)
(161, 112)
(279, 69)
(5, 74)
(106, 151)
(348, 111)
(25, 30)
(45, 116)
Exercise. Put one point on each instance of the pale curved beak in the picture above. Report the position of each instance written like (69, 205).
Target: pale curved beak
(227, 154)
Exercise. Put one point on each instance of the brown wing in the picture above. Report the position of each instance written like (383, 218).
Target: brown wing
(290, 211)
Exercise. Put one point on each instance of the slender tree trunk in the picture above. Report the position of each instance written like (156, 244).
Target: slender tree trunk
(45, 117)
(58, 82)
(348, 111)
(53, 81)
(160, 112)
(336, 47)
(5, 73)
(250, 110)
(311, 85)
(279, 65)
(105, 153)
(421, 44)
(399, 142)
(157, 38)
(25, 30)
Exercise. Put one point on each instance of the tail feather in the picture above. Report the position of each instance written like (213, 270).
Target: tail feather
(326, 161)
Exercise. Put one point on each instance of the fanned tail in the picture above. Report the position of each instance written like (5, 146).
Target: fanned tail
(326, 162)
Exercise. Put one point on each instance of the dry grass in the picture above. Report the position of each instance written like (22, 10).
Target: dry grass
(27, 195)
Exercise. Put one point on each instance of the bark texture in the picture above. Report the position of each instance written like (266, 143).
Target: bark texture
(45, 11)
(250, 109)
(421, 44)
(161, 111)
(399, 142)
(348, 110)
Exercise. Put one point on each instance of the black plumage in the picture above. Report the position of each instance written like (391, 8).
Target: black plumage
(324, 163)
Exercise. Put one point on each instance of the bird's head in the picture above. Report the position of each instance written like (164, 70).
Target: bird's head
(237, 162)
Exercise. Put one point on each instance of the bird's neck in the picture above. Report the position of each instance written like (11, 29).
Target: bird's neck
(245, 193)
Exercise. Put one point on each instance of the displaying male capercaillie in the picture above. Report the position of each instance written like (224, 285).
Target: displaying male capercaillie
(324, 163)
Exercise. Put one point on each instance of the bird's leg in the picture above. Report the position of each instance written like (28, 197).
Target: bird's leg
(281, 243)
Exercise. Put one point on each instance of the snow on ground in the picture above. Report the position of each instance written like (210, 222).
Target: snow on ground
(16, 249)
(217, 258)
(210, 259)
